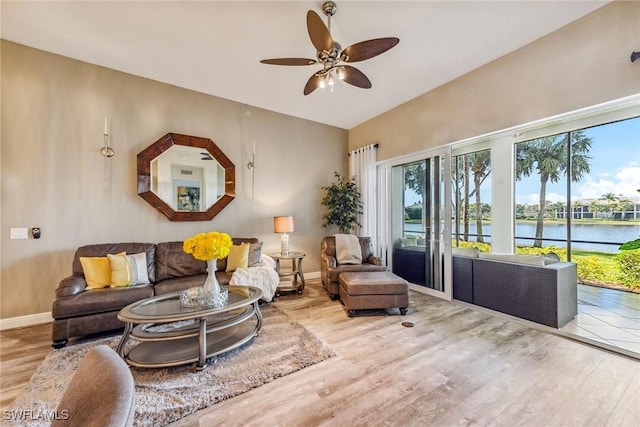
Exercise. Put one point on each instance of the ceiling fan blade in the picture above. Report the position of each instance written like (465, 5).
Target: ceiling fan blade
(355, 77)
(289, 61)
(312, 84)
(368, 49)
(318, 32)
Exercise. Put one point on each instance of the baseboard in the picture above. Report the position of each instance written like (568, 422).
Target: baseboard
(312, 275)
(22, 321)
(37, 319)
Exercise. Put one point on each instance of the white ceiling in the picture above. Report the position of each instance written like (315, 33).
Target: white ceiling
(215, 47)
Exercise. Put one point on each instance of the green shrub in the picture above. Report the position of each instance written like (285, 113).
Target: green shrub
(631, 245)
(529, 250)
(629, 266)
(590, 268)
(482, 247)
(596, 268)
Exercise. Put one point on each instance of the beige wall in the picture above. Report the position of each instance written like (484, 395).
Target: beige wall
(53, 111)
(580, 65)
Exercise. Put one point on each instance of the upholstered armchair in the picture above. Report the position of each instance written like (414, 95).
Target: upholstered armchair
(101, 392)
(330, 269)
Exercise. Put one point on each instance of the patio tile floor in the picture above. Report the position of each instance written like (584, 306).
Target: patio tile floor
(608, 316)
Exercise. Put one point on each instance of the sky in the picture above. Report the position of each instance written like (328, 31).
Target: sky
(615, 167)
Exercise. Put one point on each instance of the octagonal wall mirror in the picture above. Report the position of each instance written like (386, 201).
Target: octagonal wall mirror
(186, 178)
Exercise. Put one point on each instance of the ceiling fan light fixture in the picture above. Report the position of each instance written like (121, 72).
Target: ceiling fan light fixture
(330, 54)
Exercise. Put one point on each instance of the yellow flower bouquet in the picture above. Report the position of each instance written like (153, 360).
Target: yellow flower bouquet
(208, 246)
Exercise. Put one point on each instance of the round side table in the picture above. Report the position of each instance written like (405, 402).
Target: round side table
(295, 272)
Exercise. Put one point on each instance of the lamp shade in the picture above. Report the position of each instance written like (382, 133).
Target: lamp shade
(283, 224)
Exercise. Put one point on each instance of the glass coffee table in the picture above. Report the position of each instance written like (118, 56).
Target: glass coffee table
(168, 334)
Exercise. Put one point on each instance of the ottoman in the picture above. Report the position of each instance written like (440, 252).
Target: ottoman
(375, 289)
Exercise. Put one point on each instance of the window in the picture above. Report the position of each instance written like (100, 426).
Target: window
(577, 194)
(472, 198)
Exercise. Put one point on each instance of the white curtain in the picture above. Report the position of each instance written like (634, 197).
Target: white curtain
(362, 166)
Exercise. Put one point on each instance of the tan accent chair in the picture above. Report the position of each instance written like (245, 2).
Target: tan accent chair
(101, 392)
(330, 269)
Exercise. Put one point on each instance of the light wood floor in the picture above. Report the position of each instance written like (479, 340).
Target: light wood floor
(456, 366)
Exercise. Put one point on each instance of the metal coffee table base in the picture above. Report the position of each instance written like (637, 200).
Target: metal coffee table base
(198, 335)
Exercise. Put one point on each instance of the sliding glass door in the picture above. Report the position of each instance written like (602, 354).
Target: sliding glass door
(419, 226)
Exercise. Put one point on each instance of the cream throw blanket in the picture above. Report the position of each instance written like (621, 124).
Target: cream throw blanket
(348, 249)
(263, 277)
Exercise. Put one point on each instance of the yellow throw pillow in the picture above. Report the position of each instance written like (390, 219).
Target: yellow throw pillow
(97, 271)
(121, 271)
(238, 257)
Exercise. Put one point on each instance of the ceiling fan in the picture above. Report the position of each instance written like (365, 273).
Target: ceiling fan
(331, 55)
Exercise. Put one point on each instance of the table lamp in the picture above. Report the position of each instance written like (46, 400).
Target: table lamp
(284, 225)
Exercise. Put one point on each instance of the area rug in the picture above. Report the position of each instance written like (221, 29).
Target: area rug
(166, 395)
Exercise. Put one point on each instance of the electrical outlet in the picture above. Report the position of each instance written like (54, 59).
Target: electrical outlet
(19, 233)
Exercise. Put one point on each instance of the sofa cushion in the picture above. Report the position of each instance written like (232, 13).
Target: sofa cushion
(373, 283)
(101, 250)
(468, 252)
(335, 272)
(99, 301)
(181, 283)
(172, 261)
(517, 259)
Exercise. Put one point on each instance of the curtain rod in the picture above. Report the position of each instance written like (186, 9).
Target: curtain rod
(374, 146)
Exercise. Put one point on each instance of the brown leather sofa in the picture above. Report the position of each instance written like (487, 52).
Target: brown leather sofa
(330, 269)
(79, 311)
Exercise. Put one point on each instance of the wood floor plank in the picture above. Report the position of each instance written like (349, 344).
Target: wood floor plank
(456, 366)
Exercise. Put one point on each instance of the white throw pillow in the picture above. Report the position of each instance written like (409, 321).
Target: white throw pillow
(139, 269)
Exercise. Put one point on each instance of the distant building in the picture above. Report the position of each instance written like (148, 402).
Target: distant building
(604, 209)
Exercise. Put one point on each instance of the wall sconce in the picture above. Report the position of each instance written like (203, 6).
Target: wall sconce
(251, 166)
(107, 152)
(284, 225)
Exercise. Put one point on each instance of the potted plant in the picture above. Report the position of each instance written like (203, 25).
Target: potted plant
(344, 204)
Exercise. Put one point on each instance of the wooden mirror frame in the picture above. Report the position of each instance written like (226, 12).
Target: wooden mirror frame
(163, 144)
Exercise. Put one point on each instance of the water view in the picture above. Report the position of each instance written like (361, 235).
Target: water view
(583, 236)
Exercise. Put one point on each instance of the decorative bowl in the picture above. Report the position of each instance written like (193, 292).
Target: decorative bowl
(198, 297)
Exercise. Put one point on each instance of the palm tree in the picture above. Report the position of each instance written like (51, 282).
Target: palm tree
(465, 200)
(611, 200)
(548, 157)
(414, 177)
(480, 165)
